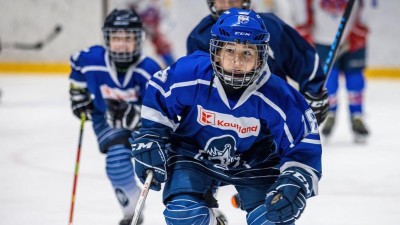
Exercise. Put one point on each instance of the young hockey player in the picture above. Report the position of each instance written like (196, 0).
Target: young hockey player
(289, 54)
(320, 21)
(222, 118)
(108, 84)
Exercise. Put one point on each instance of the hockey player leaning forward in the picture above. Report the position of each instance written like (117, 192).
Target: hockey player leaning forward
(108, 84)
(224, 119)
(289, 54)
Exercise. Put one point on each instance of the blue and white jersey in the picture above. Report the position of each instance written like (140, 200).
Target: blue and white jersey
(289, 54)
(92, 69)
(231, 132)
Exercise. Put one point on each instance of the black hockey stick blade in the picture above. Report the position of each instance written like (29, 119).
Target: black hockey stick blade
(338, 38)
(36, 46)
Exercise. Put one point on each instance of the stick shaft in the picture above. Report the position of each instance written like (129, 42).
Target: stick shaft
(338, 38)
(142, 198)
(34, 46)
(78, 156)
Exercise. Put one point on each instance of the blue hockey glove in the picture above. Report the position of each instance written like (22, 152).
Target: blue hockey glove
(121, 114)
(149, 151)
(81, 102)
(319, 104)
(287, 197)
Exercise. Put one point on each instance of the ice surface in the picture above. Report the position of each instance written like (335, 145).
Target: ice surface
(38, 146)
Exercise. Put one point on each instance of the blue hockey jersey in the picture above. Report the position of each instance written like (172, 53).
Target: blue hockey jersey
(92, 69)
(289, 54)
(269, 124)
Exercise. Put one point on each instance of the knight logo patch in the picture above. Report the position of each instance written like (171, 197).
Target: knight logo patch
(221, 151)
(243, 126)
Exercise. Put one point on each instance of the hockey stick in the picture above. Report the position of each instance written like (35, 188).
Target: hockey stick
(78, 156)
(142, 198)
(34, 46)
(338, 38)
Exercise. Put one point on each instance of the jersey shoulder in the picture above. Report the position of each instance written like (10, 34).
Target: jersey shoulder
(271, 21)
(149, 64)
(192, 67)
(205, 24)
(282, 93)
(93, 55)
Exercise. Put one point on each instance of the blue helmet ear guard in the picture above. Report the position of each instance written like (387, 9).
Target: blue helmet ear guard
(242, 26)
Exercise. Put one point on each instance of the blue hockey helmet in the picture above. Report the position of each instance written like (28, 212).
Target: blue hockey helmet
(124, 24)
(238, 26)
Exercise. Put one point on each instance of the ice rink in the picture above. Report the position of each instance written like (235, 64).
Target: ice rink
(38, 146)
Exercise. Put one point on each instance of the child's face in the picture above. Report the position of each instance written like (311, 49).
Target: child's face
(222, 5)
(237, 58)
(122, 41)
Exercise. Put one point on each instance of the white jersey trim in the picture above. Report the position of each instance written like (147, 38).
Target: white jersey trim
(74, 66)
(143, 72)
(311, 141)
(316, 63)
(270, 103)
(177, 85)
(86, 69)
(288, 134)
(154, 115)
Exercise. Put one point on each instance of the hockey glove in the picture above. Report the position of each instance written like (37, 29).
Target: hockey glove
(81, 102)
(121, 114)
(149, 151)
(287, 197)
(319, 104)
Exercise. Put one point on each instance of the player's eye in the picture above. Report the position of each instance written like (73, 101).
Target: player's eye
(229, 50)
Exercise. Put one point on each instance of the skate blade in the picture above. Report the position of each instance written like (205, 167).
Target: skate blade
(360, 139)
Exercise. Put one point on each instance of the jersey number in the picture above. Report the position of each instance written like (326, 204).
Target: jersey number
(162, 75)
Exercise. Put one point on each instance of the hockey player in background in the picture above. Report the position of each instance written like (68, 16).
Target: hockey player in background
(108, 84)
(289, 54)
(318, 21)
(150, 13)
(222, 118)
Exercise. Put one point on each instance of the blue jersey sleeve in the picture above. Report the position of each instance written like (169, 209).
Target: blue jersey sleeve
(297, 136)
(147, 68)
(77, 62)
(295, 130)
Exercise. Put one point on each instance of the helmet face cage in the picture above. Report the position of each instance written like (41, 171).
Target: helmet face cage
(228, 52)
(216, 13)
(124, 45)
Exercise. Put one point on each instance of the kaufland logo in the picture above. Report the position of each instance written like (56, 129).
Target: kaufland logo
(207, 118)
(243, 126)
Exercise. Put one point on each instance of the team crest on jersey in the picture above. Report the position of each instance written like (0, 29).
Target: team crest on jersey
(129, 95)
(243, 126)
(221, 151)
